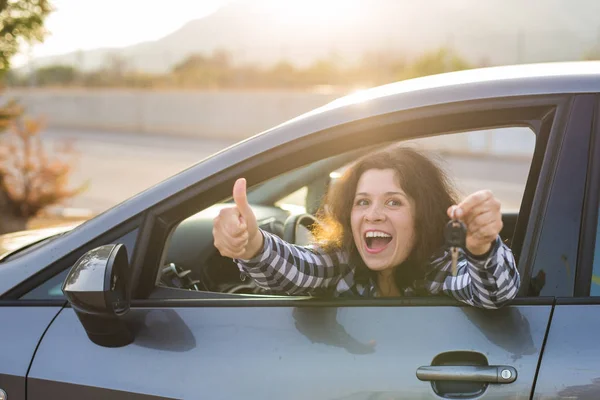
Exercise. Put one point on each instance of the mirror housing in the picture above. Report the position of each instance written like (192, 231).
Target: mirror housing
(97, 287)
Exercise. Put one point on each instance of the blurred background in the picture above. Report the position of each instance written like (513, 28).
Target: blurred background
(101, 99)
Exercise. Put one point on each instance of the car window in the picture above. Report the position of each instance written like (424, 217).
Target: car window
(51, 289)
(497, 159)
(505, 155)
(595, 284)
(294, 202)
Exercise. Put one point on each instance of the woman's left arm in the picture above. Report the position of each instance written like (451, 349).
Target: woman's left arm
(487, 274)
(490, 281)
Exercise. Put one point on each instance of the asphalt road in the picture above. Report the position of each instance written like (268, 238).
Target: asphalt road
(118, 165)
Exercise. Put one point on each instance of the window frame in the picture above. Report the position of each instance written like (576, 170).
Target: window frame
(591, 213)
(446, 118)
(558, 200)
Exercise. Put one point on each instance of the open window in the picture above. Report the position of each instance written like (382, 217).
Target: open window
(495, 158)
(294, 175)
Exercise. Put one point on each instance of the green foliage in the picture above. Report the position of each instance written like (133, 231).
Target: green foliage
(437, 62)
(31, 179)
(198, 70)
(20, 20)
(56, 75)
(217, 71)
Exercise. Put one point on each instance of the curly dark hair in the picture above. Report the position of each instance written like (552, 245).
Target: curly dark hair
(420, 178)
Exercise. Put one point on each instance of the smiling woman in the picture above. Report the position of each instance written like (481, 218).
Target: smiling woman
(379, 233)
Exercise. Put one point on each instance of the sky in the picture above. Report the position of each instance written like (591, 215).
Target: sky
(87, 24)
(90, 24)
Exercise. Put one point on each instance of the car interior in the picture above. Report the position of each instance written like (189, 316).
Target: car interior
(284, 206)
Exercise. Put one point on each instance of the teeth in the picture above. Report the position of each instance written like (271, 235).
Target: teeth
(371, 234)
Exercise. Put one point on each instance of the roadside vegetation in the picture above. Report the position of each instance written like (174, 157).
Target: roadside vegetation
(219, 71)
(33, 178)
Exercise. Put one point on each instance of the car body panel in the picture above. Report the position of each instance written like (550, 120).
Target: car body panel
(296, 348)
(21, 329)
(463, 86)
(570, 367)
(287, 352)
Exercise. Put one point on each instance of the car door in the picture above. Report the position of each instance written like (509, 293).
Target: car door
(21, 329)
(569, 367)
(224, 347)
(24, 322)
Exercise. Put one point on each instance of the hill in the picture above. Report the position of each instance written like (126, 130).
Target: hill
(493, 31)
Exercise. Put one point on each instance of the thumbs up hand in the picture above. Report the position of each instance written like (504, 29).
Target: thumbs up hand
(235, 230)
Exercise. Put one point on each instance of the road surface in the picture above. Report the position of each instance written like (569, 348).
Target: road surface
(118, 165)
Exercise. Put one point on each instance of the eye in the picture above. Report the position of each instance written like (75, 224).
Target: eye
(361, 202)
(394, 203)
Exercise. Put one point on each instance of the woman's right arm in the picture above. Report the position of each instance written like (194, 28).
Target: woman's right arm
(274, 264)
(281, 267)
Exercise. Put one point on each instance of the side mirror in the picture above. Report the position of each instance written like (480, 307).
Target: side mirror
(97, 287)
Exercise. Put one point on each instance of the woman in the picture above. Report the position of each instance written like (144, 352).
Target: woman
(381, 235)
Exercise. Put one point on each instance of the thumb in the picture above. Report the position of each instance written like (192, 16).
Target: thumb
(240, 199)
(454, 212)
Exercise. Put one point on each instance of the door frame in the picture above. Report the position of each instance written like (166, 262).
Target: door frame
(440, 119)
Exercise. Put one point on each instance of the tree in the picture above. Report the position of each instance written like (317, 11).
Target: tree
(435, 62)
(56, 75)
(31, 178)
(198, 70)
(20, 20)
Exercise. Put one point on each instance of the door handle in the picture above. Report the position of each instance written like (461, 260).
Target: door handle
(468, 373)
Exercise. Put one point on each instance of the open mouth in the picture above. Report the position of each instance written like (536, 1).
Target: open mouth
(376, 241)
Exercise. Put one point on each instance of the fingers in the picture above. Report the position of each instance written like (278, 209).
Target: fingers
(472, 201)
(473, 205)
(481, 213)
(228, 246)
(230, 234)
(235, 230)
(229, 222)
(452, 212)
(486, 228)
(480, 220)
(227, 250)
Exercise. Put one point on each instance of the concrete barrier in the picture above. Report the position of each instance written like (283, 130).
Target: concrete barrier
(223, 115)
(216, 115)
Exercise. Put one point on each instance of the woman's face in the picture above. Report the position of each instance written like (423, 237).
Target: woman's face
(382, 220)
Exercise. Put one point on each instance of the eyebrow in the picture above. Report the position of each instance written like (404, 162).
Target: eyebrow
(386, 193)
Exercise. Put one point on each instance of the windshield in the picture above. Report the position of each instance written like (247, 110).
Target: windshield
(14, 244)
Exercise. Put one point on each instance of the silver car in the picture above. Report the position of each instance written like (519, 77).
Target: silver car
(136, 303)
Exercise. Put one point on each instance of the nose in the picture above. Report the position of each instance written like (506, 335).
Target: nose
(375, 214)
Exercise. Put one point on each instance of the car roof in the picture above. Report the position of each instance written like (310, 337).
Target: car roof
(477, 83)
(468, 85)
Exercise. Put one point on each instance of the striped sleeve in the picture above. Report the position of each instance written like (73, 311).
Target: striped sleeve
(489, 282)
(284, 268)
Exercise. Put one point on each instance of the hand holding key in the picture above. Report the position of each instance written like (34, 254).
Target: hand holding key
(480, 212)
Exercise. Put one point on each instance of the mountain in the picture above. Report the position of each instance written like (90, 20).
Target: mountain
(494, 31)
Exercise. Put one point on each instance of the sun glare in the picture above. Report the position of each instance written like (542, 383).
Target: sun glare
(318, 11)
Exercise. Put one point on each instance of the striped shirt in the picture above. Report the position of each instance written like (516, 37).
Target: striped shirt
(283, 268)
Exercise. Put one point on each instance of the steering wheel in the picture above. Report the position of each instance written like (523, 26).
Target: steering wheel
(298, 227)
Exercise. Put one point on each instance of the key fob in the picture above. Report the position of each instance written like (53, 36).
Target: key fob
(455, 234)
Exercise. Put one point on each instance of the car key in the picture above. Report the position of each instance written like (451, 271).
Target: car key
(456, 236)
